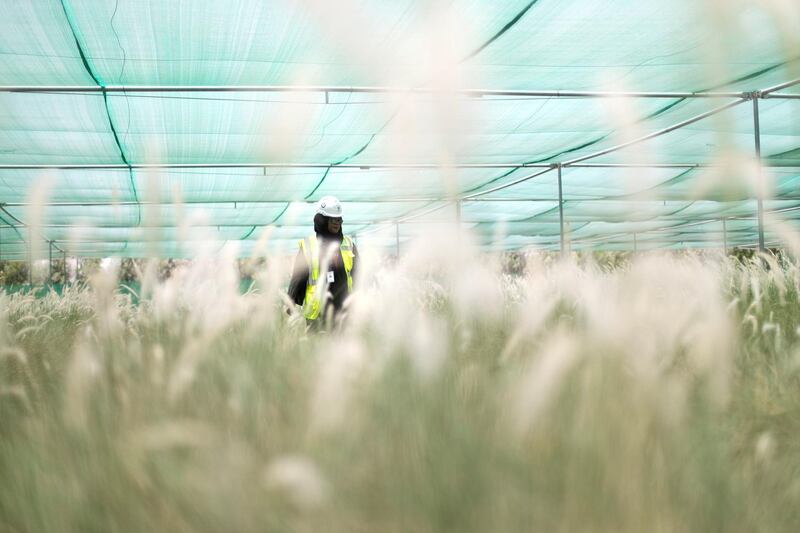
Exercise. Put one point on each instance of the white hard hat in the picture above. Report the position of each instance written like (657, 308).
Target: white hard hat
(329, 206)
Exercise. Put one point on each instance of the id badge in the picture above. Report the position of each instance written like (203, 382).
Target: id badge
(330, 276)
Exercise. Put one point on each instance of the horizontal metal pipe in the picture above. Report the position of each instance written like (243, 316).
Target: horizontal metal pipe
(151, 166)
(782, 96)
(623, 198)
(231, 203)
(740, 241)
(384, 166)
(506, 185)
(364, 90)
(769, 91)
(389, 235)
(128, 203)
(319, 166)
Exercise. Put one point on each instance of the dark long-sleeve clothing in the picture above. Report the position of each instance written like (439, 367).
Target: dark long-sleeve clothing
(338, 288)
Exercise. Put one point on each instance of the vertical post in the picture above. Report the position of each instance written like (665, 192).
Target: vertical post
(724, 236)
(397, 238)
(64, 281)
(561, 215)
(50, 266)
(30, 258)
(760, 181)
(634, 243)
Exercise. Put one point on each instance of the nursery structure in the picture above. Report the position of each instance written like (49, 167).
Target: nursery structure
(608, 124)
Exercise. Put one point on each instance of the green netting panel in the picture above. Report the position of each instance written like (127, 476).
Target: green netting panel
(162, 185)
(728, 132)
(720, 184)
(12, 242)
(228, 185)
(243, 128)
(131, 215)
(598, 229)
(38, 46)
(559, 44)
(387, 235)
(513, 130)
(124, 234)
(55, 129)
(590, 183)
(666, 210)
(354, 213)
(84, 185)
(478, 212)
(386, 184)
(254, 42)
(640, 44)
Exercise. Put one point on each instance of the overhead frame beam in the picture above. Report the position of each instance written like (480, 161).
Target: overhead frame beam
(376, 166)
(770, 92)
(236, 203)
(676, 222)
(133, 89)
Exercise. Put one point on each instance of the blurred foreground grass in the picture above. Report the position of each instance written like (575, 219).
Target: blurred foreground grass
(663, 395)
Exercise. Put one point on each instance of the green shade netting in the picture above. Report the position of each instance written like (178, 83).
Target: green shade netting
(570, 44)
(263, 158)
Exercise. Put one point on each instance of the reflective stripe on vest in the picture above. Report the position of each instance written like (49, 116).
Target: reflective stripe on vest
(312, 303)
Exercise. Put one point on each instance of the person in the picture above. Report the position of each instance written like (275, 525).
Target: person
(325, 267)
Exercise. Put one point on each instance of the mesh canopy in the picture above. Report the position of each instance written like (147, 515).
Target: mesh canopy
(136, 127)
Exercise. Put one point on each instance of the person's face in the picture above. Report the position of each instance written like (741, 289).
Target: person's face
(334, 224)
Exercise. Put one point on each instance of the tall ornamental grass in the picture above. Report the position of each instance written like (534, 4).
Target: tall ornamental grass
(659, 395)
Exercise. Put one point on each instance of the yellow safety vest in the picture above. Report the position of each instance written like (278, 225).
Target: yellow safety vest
(310, 248)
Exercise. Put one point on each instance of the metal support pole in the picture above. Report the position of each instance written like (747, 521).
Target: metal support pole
(50, 265)
(561, 214)
(760, 181)
(397, 238)
(724, 236)
(64, 281)
(635, 247)
(477, 92)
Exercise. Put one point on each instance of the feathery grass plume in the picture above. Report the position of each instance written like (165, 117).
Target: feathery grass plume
(575, 396)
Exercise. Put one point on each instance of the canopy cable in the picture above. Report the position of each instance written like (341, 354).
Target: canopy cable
(99, 82)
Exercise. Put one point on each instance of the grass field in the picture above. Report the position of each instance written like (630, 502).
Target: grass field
(660, 395)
